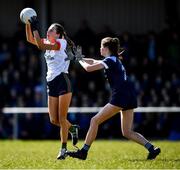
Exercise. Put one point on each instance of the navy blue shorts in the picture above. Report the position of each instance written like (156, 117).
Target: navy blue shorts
(59, 85)
(126, 99)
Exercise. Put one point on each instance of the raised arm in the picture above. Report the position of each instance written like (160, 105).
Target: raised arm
(36, 39)
(29, 36)
(41, 45)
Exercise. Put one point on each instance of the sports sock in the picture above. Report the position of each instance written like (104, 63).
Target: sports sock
(149, 147)
(71, 129)
(85, 148)
(64, 146)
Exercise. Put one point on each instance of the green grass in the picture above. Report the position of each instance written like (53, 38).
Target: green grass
(104, 154)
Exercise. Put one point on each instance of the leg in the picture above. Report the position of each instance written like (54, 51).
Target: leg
(126, 126)
(64, 102)
(53, 110)
(107, 112)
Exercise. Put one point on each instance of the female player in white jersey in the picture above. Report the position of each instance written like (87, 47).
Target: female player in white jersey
(123, 99)
(59, 86)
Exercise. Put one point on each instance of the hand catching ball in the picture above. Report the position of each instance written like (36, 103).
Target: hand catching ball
(26, 14)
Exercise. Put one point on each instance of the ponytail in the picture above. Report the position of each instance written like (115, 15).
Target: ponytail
(60, 30)
(69, 41)
(121, 51)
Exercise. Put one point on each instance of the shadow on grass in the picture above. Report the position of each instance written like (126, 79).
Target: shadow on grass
(166, 160)
(162, 160)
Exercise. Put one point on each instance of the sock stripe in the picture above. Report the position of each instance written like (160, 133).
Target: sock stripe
(86, 147)
(64, 145)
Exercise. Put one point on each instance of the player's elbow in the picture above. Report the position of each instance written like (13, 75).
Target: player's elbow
(89, 69)
(40, 46)
(29, 40)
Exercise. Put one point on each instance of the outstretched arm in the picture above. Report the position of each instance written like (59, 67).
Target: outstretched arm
(91, 61)
(89, 66)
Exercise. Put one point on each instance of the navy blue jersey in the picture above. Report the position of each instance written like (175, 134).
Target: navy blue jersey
(123, 93)
(116, 73)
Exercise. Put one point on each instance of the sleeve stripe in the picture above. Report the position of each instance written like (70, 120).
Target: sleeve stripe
(105, 65)
(59, 44)
(43, 40)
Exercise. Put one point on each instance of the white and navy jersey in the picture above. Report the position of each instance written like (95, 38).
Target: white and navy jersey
(115, 71)
(55, 60)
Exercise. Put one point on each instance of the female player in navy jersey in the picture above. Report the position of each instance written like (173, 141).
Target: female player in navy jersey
(123, 99)
(59, 86)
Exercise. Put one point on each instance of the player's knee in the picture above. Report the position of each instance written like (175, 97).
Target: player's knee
(54, 121)
(62, 120)
(94, 121)
(127, 133)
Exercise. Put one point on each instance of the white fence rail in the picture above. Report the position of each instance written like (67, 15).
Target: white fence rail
(18, 110)
(23, 110)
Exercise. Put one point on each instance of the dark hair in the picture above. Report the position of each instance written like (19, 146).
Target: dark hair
(113, 44)
(60, 30)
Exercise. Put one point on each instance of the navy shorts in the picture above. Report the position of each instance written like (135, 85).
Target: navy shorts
(126, 99)
(59, 85)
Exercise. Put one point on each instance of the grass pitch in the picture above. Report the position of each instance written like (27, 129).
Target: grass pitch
(104, 154)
